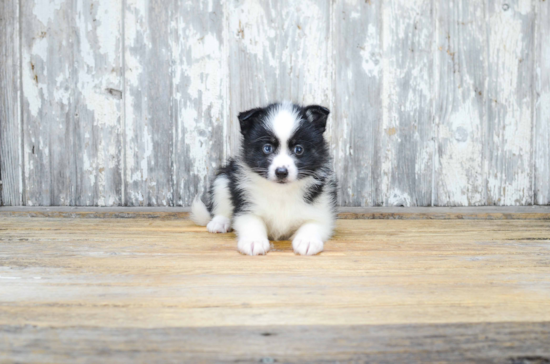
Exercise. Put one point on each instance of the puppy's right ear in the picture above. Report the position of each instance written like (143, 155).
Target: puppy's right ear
(248, 118)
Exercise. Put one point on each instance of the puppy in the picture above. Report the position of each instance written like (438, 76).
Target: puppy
(280, 187)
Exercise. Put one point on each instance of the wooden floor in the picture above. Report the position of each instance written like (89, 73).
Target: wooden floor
(152, 290)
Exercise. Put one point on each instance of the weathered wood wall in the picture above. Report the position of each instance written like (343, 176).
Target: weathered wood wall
(134, 102)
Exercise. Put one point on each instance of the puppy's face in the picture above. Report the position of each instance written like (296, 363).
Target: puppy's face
(284, 142)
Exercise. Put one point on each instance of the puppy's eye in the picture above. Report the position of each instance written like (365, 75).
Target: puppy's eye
(268, 148)
(298, 150)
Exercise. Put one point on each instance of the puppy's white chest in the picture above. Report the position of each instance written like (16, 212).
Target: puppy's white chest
(282, 208)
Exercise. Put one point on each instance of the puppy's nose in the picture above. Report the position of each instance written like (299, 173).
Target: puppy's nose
(281, 173)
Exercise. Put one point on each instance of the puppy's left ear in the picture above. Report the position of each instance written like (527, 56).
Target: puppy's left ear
(317, 115)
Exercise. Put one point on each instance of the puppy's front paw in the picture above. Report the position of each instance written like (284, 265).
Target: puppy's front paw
(307, 245)
(253, 246)
(219, 224)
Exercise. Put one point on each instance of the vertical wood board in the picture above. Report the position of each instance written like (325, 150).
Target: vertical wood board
(149, 118)
(405, 135)
(98, 96)
(71, 76)
(357, 53)
(11, 165)
(49, 102)
(509, 102)
(200, 101)
(542, 107)
(460, 110)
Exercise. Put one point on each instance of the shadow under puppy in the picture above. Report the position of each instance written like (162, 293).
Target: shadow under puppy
(280, 187)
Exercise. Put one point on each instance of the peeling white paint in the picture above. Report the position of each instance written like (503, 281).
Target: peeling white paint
(198, 146)
(30, 87)
(32, 83)
(200, 78)
(204, 71)
(370, 52)
(269, 51)
(511, 184)
(89, 169)
(524, 7)
(389, 101)
(139, 145)
(311, 66)
(250, 27)
(462, 156)
(109, 14)
(44, 10)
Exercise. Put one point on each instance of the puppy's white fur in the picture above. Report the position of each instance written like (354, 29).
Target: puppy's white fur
(223, 209)
(283, 121)
(277, 211)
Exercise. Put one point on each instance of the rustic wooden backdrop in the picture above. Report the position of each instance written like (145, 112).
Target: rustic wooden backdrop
(134, 102)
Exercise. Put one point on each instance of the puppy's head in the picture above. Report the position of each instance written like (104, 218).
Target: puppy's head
(284, 142)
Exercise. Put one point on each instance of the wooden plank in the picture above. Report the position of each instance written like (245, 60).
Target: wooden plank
(508, 139)
(414, 213)
(460, 114)
(171, 213)
(383, 291)
(542, 106)
(405, 135)
(358, 62)
(11, 189)
(519, 343)
(443, 213)
(97, 120)
(277, 50)
(72, 106)
(49, 104)
(108, 272)
(149, 112)
(201, 105)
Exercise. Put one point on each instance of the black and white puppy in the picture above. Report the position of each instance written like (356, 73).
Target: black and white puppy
(281, 186)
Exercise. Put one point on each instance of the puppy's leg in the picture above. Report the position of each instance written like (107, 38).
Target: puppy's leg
(310, 237)
(251, 234)
(222, 208)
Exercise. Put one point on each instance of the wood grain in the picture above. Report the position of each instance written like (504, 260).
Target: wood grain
(173, 274)
(149, 114)
(72, 107)
(427, 289)
(201, 104)
(11, 164)
(392, 213)
(460, 111)
(49, 103)
(356, 115)
(510, 102)
(175, 100)
(406, 145)
(542, 107)
(98, 133)
(511, 343)
(434, 103)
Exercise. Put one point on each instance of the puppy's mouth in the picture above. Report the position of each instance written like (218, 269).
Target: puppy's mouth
(282, 181)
